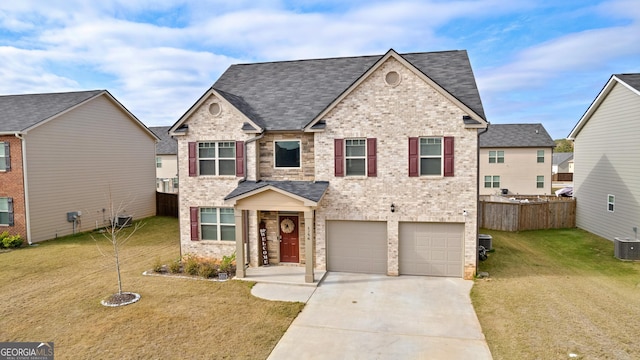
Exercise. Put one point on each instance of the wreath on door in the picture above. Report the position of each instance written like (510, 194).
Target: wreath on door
(287, 226)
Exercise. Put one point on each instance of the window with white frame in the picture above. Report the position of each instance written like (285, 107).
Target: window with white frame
(287, 153)
(611, 202)
(4, 156)
(6, 211)
(158, 162)
(431, 156)
(496, 157)
(492, 181)
(217, 158)
(540, 181)
(540, 156)
(217, 224)
(356, 157)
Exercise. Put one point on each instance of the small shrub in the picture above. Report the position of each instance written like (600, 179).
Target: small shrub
(175, 266)
(158, 266)
(227, 262)
(191, 265)
(206, 269)
(10, 241)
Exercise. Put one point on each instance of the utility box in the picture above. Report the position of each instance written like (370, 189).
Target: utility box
(485, 241)
(72, 216)
(626, 249)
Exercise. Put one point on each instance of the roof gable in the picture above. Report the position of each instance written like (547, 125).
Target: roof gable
(630, 81)
(516, 136)
(21, 112)
(292, 95)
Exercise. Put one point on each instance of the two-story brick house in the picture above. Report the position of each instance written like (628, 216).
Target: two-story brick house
(357, 164)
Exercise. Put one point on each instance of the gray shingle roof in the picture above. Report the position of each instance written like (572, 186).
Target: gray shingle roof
(167, 145)
(20, 112)
(312, 190)
(559, 158)
(516, 135)
(632, 80)
(287, 95)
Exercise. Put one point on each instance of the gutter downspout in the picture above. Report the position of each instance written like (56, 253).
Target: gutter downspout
(25, 186)
(478, 192)
(245, 213)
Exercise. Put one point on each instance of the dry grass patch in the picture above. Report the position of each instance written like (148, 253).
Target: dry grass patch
(553, 293)
(52, 292)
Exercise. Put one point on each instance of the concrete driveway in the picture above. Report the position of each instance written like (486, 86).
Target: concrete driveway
(359, 316)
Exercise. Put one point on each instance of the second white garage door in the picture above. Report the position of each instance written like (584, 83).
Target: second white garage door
(357, 246)
(433, 249)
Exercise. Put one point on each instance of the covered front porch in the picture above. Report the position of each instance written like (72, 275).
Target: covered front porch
(282, 231)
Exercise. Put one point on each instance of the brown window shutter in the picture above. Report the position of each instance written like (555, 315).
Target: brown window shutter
(193, 216)
(339, 157)
(193, 147)
(239, 158)
(413, 156)
(448, 156)
(372, 161)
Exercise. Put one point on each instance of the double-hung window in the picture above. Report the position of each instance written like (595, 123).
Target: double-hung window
(287, 153)
(6, 211)
(540, 156)
(431, 156)
(158, 162)
(492, 181)
(356, 157)
(217, 224)
(5, 160)
(217, 158)
(540, 181)
(496, 156)
(611, 202)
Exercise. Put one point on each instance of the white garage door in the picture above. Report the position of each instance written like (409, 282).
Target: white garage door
(357, 246)
(433, 249)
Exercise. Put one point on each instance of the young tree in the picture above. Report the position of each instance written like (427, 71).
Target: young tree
(563, 146)
(117, 233)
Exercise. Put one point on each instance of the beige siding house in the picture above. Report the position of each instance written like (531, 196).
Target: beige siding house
(360, 164)
(69, 151)
(166, 160)
(606, 152)
(515, 159)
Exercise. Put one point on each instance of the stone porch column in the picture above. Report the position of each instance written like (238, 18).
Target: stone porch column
(240, 273)
(308, 246)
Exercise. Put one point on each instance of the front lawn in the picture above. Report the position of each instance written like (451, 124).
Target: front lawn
(52, 292)
(558, 294)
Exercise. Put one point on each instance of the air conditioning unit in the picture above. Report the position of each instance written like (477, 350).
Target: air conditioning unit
(124, 220)
(626, 249)
(485, 240)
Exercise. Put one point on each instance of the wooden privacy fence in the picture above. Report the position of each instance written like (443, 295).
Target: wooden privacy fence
(517, 216)
(166, 204)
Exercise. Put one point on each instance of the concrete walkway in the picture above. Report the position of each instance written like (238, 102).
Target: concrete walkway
(359, 316)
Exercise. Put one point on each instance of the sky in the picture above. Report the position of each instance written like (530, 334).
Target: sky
(535, 61)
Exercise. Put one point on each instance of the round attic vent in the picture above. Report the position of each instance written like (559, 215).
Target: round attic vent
(392, 78)
(215, 109)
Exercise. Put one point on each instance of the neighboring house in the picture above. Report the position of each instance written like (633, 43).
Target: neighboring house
(63, 155)
(358, 164)
(562, 163)
(606, 151)
(166, 160)
(515, 159)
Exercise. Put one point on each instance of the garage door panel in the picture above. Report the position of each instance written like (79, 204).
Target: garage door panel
(357, 246)
(433, 249)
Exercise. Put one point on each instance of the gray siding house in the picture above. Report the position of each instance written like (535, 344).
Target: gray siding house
(358, 164)
(65, 153)
(606, 151)
(515, 159)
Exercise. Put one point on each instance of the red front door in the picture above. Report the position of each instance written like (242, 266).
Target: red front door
(289, 250)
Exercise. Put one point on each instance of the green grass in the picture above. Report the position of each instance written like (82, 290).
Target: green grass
(52, 292)
(552, 293)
